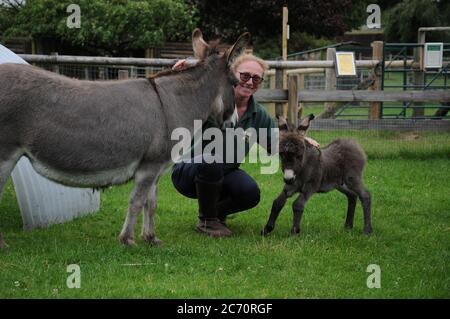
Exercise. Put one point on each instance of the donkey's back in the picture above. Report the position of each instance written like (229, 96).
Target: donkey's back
(344, 154)
(96, 131)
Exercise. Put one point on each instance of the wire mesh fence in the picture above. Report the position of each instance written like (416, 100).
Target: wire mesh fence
(99, 72)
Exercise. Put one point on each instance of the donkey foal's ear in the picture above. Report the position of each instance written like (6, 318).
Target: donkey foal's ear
(304, 124)
(238, 48)
(282, 123)
(199, 45)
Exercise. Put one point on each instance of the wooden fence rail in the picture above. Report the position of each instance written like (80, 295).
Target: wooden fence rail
(279, 95)
(294, 96)
(72, 59)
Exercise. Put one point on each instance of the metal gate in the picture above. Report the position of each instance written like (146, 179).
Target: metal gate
(413, 77)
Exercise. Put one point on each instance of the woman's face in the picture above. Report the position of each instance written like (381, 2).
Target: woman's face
(252, 70)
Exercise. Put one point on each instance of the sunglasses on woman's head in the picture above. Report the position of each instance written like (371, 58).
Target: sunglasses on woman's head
(245, 76)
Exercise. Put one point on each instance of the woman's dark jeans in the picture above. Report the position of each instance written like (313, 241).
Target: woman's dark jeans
(239, 191)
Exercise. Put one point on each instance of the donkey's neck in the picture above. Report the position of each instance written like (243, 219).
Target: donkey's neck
(331, 165)
(313, 164)
(188, 95)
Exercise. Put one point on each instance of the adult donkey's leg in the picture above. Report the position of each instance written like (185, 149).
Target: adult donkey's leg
(144, 179)
(148, 226)
(8, 160)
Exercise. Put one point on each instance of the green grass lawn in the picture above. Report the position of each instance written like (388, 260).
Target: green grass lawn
(410, 243)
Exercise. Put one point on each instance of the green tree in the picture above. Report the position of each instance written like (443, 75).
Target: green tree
(404, 19)
(262, 18)
(109, 26)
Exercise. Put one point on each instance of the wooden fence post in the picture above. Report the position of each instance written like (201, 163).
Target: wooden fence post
(300, 86)
(377, 54)
(419, 75)
(149, 54)
(330, 83)
(55, 66)
(86, 73)
(293, 100)
(101, 73)
(284, 41)
(279, 85)
(122, 75)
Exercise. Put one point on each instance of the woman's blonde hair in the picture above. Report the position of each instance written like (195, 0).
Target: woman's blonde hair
(249, 57)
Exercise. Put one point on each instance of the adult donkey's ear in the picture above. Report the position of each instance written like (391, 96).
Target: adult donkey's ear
(199, 45)
(238, 48)
(282, 123)
(304, 124)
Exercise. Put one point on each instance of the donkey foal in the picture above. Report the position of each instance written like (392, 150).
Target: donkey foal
(308, 170)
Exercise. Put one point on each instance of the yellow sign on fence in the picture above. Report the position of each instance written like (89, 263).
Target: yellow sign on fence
(345, 64)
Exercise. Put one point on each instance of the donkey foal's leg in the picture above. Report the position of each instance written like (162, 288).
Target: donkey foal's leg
(277, 206)
(298, 207)
(351, 198)
(366, 200)
(357, 186)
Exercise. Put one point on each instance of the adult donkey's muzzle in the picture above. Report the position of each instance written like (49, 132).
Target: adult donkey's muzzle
(230, 120)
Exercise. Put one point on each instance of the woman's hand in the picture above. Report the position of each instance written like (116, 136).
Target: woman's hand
(180, 65)
(312, 142)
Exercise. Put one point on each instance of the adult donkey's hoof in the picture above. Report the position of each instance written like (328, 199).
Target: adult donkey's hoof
(152, 240)
(3, 244)
(127, 241)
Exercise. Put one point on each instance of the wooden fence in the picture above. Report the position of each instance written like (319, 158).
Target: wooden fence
(292, 95)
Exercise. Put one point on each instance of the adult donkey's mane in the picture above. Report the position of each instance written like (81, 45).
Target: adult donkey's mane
(213, 49)
(191, 76)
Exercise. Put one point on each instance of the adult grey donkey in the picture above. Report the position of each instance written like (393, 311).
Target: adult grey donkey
(308, 170)
(96, 134)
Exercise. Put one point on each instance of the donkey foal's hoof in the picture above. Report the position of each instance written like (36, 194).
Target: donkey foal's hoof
(266, 231)
(348, 226)
(295, 231)
(368, 230)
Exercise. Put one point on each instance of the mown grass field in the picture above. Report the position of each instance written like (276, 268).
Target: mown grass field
(407, 174)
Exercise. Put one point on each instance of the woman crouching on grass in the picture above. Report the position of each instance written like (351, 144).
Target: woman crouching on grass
(223, 188)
